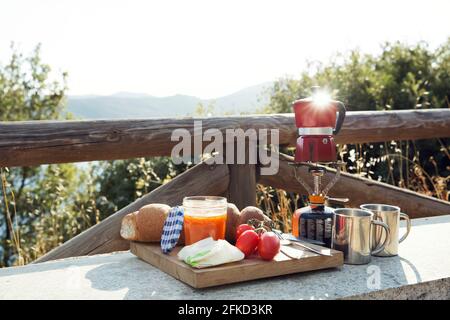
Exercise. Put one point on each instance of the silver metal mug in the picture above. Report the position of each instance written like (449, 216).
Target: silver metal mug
(390, 215)
(352, 234)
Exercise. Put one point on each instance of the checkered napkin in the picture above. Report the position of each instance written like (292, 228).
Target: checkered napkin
(172, 229)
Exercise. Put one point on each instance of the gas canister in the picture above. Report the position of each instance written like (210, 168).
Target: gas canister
(315, 221)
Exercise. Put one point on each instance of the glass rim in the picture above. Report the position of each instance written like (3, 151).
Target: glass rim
(200, 201)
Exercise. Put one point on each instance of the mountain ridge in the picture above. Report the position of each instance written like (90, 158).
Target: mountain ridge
(122, 105)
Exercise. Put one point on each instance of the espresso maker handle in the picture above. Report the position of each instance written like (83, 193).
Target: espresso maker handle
(386, 239)
(340, 119)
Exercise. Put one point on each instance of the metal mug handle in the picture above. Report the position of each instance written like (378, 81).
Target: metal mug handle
(408, 225)
(386, 239)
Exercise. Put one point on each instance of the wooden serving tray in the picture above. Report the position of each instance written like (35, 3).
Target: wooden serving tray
(244, 270)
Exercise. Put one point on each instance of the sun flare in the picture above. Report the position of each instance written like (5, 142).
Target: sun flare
(321, 98)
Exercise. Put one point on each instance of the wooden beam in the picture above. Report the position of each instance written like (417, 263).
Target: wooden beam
(40, 142)
(242, 188)
(105, 237)
(359, 190)
(379, 126)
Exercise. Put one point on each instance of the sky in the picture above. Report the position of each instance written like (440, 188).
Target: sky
(206, 48)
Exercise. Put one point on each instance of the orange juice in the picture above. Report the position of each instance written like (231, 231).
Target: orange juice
(204, 217)
(198, 228)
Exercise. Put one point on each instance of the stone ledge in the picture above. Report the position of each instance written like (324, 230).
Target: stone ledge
(430, 290)
(421, 271)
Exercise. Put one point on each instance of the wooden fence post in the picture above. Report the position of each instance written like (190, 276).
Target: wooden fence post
(242, 187)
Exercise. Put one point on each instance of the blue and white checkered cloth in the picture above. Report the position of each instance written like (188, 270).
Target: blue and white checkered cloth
(172, 229)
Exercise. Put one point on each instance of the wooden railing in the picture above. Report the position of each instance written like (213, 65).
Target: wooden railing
(43, 142)
(40, 142)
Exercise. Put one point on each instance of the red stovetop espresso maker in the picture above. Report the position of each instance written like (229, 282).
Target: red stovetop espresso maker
(315, 118)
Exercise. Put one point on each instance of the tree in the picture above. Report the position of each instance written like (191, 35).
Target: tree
(26, 93)
(123, 181)
(402, 77)
(30, 195)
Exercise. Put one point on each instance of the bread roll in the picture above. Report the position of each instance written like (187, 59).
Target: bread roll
(128, 229)
(252, 213)
(146, 225)
(233, 216)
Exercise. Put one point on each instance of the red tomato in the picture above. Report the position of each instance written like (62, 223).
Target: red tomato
(242, 228)
(268, 246)
(247, 242)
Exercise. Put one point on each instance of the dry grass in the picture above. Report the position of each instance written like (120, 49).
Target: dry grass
(28, 238)
(278, 205)
(11, 227)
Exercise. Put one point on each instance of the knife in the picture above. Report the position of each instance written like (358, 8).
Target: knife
(290, 236)
(311, 247)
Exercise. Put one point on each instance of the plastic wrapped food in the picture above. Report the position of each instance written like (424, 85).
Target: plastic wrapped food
(209, 252)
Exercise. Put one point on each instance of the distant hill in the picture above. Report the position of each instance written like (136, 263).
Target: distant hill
(135, 105)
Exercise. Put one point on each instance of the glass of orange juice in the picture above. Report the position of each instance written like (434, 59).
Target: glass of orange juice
(204, 216)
